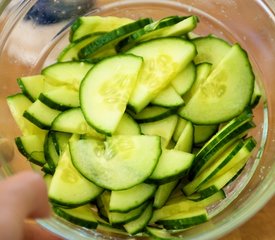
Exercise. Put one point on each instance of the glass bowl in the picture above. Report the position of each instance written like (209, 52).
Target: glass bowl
(33, 32)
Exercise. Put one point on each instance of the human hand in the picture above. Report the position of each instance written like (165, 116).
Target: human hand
(23, 197)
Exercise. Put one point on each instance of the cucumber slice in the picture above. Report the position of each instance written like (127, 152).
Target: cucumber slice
(47, 170)
(73, 121)
(66, 73)
(83, 216)
(210, 49)
(228, 173)
(185, 79)
(18, 104)
(222, 164)
(202, 72)
(163, 128)
(185, 141)
(29, 144)
(60, 141)
(208, 173)
(123, 218)
(182, 204)
(185, 219)
(127, 126)
(131, 158)
(61, 98)
(256, 96)
(148, 32)
(179, 128)
(93, 24)
(159, 233)
(112, 38)
(226, 92)
(51, 155)
(31, 86)
(104, 94)
(163, 192)
(128, 199)
(163, 59)
(172, 165)
(176, 30)
(68, 187)
(203, 133)
(152, 114)
(140, 223)
(70, 52)
(168, 97)
(41, 115)
(235, 129)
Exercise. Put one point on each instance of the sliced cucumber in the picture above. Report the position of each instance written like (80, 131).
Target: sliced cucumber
(18, 104)
(225, 93)
(179, 128)
(61, 98)
(222, 164)
(31, 86)
(172, 165)
(235, 129)
(185, 219)
(41, 115)
(185, 141)
(163, 192)
(123, 218)
(168, 97)
(68, 187)
(220, 181)
(210, 49)
(70, 52)
(128, 199)
(203, 133)
(163, 128)
(159, 233)
(104, 94)
(131, 158)
(47, 170)
(163, 59)
(256, 96)
(140, 223)
(73, 121)
(60, 140)
(176, 30)
(202, 72)
(93, 24)
(182, 204)
(28, 145)
(152, 114)
(83, 215)
(66, 73)
(185, 79)
(148, 32)
(226, 156)
(50, 153)
(127, 126)
(112, 38)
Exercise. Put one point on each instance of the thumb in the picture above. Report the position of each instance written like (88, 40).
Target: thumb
(25, 196)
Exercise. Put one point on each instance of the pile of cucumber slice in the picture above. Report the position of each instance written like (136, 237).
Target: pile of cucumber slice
(139, 124)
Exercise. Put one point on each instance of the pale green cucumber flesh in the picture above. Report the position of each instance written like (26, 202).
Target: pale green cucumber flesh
(163, 60)
(104, 94)
(83, 215)
(68, 187)
(225, 93)
(128, 199)
(107, 163)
